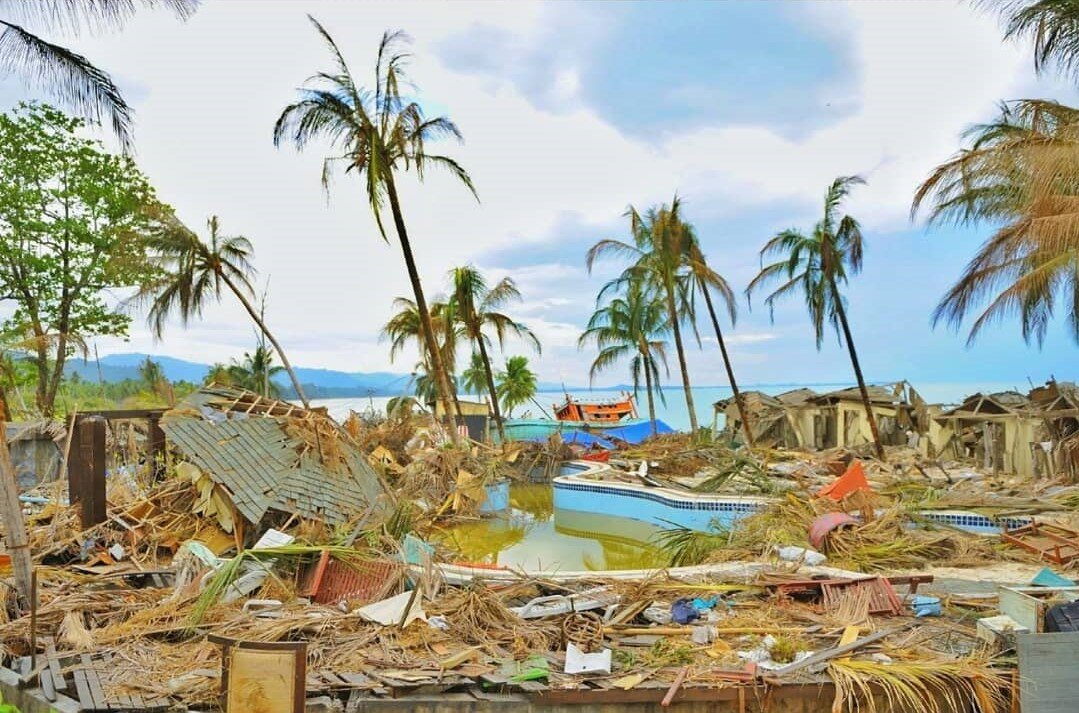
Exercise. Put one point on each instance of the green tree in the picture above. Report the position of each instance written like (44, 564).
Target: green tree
(150, 372)
(475, 306)
(378, 133)
(1019, 173)
(73, 221)
(818, 263)
(70, 78)
(255, 372)
(194, 272)
(662, 248)
(405, 327)
(218, 374)
(516, 384)
(632, 325)
(474, 377)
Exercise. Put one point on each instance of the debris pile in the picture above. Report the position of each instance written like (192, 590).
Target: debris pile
(275, 529)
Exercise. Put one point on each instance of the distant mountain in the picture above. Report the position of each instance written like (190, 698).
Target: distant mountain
(318, 383)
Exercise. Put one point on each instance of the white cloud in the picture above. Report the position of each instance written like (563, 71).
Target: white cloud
(210, 90)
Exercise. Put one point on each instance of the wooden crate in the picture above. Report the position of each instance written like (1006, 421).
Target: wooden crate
(1027, 605)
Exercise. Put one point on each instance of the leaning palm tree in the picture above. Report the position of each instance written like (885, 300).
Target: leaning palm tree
(705, 279)
(194, 272)
(475, 306)
(818, 263)
(661, 250)
(631, 325)
(375, 132)
(72, 79)
(1020, 173)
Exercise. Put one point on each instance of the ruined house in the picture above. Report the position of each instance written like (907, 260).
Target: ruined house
(802, 418)
(1056, 450)
(997, 430)
(784, 420)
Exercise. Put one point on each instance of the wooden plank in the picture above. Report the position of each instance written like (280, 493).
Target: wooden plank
(1047, 665)
(82, 688)
(56, 671)
(97, 695)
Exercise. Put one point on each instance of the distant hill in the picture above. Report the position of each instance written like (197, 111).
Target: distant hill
(318, 383)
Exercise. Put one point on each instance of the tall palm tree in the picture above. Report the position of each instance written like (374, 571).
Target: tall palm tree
(1021, 173)
(818, 263)
(194, 273)
(661, 250)
(72, 79)
(219, 374)
(631, 325)
(705, 279)
(475, 306)
(516, 384)
(378, 133)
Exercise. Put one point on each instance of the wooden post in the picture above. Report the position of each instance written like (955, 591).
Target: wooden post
(157, 446)
(88, 480)
(11, 512)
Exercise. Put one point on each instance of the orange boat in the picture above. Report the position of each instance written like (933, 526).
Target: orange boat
(606, 412)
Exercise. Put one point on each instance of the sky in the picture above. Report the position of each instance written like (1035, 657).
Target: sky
(570, 113)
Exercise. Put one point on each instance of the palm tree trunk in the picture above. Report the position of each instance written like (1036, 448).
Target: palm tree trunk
(273, 340)
(442, 379)
(730, 370)
(648, 389)
(842, 314)
(672, 314)
(11, 514)
(491, 388)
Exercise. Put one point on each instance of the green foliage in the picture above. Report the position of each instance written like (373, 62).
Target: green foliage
(1020, 175)
(405, 327)
(631, 325)
(73, 223)
(474, 378)
(816, 263)
(515, 385)
(255, 372)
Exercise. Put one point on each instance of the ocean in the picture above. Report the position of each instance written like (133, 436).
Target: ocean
(672, 408)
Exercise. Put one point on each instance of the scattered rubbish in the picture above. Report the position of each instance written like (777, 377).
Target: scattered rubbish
(683, 611)
(925, 606)
(851, 481)
(1048, 578)
(399, 610)
(578, 662)
(801, 554)
(1062, 617)
(825, 524)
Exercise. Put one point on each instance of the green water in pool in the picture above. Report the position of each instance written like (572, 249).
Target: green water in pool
(534, 536)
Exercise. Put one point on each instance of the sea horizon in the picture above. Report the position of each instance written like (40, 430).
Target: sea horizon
(672, 409)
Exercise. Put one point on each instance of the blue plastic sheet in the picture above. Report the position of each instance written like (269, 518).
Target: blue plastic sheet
(637, 432)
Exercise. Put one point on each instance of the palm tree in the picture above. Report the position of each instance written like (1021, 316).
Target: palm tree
(819, 263)
(517, 384)
(705, 280)
(1021, 173)
(69, 77)
(661, 250)
(151, 374)
(255, 372)
(1053, 25)
(377, 133)
(474, 377)
(405, 326)
(631, 326)
(475, 306)
(194, 273)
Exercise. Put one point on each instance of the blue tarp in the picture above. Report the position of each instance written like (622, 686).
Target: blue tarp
(637, 432)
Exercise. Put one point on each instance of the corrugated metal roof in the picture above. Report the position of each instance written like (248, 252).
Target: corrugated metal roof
(264, 469)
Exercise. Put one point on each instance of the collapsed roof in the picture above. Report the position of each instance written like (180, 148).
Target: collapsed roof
(273, 455)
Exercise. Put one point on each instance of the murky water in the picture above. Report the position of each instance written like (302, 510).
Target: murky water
(533, 535)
